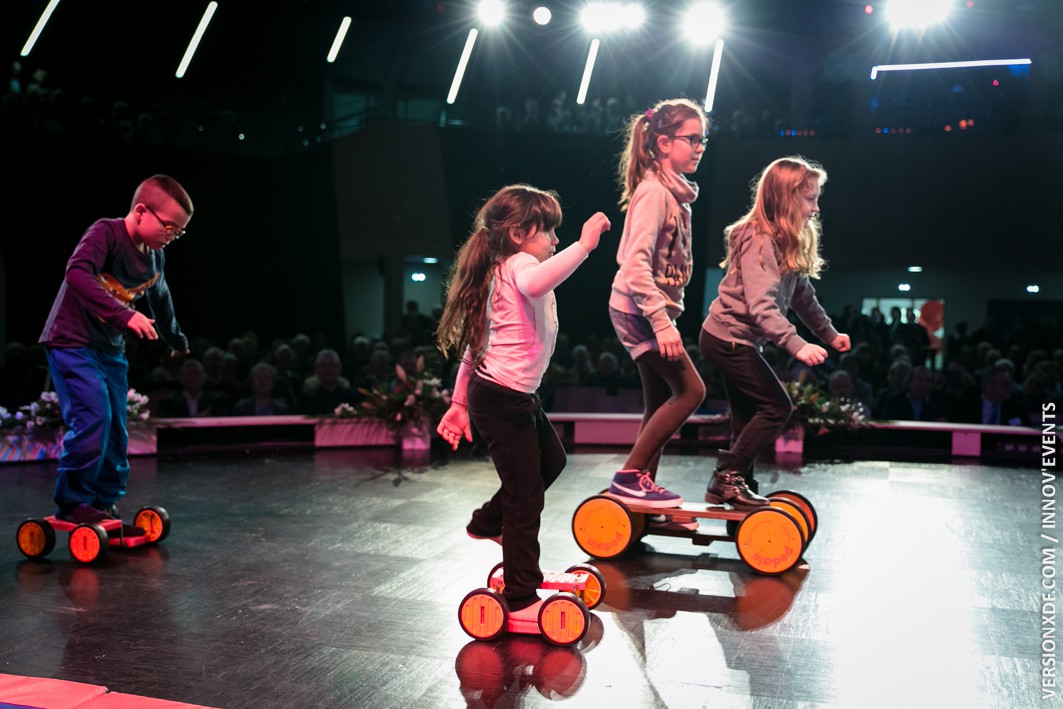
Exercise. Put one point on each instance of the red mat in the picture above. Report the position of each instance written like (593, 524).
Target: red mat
(41, 693)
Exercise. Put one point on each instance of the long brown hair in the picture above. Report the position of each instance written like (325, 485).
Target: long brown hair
(643, 129)
(507, 218)
(776, 210)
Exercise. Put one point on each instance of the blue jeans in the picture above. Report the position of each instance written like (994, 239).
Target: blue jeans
(93, 391)
(528, 457)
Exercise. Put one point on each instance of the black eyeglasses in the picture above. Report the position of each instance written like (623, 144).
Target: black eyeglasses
(170, 229)
(695, 139)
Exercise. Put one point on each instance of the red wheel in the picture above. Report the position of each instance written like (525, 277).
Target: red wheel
(483, 614)
(769, 540)
(806, 507)
(563, 619)
(593, 595)
(35, 538)
(604, 528)
(88, 543)
(154, 521)
(496, 580)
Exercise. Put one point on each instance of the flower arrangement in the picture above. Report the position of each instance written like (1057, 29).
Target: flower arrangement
(44, 414)
(814, 409)
(406, 400)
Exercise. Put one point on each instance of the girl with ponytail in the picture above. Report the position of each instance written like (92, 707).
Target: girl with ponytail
(500, 317)
(664, 144)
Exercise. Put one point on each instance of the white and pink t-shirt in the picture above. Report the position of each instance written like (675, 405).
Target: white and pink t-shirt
(522, 320)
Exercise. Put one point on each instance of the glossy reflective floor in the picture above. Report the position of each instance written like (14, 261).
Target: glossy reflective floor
(332, 579)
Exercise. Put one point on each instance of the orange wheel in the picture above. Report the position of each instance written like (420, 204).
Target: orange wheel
(563, 619)
(496, 579)
(798, 514)
(604, 528)
(483, 614)
(769, 540)
(806, 507)
(154, 521)
(594, 593)
(35, 538)
(88, 543)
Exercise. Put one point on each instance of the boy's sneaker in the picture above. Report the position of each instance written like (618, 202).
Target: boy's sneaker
(82, 514)
(671, 524)
(126, 530)
(111, 512)
(638, 488)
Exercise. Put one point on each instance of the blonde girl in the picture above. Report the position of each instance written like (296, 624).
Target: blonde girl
(771, 255)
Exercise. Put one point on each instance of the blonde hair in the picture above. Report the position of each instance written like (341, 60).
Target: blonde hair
(513, 211)
(643, 129)
(777, 194)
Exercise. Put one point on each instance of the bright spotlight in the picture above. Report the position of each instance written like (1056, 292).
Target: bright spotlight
(1033, 288)
(588, 69)
(916, 14)
(542, 15)
(341, 34)
(604, 17)
(714, 75)
(491, 12)
(459, 72)
(417, 277)
(904, 287)
(39, 27)
(703, 23)
(190, 51)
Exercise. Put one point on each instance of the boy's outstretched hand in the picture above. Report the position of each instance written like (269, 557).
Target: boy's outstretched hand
(592, 231)
(142, 326)
(455, 425)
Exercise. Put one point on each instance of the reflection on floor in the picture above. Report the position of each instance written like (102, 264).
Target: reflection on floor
(332, 579)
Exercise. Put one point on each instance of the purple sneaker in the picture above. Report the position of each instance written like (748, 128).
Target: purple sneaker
(637, 488)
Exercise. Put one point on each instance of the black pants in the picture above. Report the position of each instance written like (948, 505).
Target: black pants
(528, 457)
(760, 406)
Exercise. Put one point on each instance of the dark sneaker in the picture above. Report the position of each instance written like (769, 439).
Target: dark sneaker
(126, 530)
(111, 512)
(671, 524)
(730, 488)
(637, 488)
(83, 514)
(477, 534)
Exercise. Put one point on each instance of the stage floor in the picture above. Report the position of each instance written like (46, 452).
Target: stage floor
(332, 579)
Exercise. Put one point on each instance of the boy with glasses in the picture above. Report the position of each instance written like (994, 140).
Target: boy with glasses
(116, 262)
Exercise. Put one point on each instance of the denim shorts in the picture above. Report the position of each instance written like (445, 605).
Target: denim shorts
(634, 332)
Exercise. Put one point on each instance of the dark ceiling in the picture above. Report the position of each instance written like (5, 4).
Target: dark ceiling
(268, 57)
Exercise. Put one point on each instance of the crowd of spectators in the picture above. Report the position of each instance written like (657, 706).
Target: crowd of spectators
(895, 371)
(608, 116)
(32, 107)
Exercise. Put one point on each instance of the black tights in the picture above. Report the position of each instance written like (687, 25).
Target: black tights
(673, 391)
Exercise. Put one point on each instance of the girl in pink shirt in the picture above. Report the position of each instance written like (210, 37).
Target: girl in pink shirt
(501, 315)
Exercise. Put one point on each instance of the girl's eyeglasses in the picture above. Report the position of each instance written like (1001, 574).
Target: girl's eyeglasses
(694, 139)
